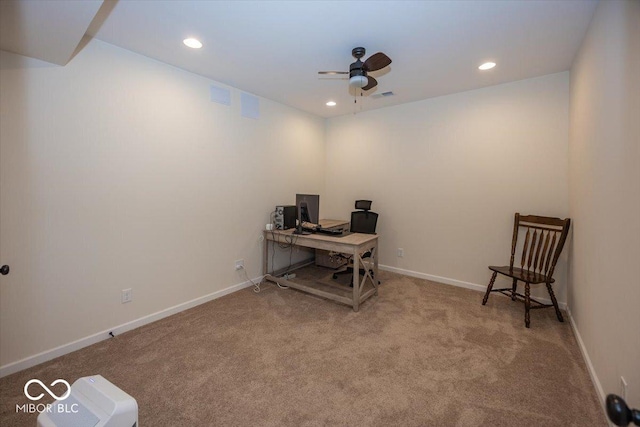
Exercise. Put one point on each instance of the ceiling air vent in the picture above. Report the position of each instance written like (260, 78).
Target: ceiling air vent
(382, 95)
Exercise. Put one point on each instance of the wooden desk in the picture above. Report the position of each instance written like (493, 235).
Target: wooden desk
(353, 244)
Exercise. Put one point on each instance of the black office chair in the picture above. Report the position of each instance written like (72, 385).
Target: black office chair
(362, 221)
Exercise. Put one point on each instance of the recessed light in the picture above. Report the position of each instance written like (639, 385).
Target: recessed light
(331, 104)
(192, 43)
(487, 66)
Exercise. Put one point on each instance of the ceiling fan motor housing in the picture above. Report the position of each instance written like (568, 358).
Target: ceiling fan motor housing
(357, 69)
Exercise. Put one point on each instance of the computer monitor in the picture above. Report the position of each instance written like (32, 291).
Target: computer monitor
(309, 207)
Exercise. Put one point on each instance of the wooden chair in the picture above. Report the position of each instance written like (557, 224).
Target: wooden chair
(543, 242)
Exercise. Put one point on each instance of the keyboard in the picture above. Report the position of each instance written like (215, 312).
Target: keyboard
(329, 231)
(317, 228)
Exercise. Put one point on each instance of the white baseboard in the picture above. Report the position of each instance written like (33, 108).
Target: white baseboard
(117, 330)
(454, 282)
(590, 368)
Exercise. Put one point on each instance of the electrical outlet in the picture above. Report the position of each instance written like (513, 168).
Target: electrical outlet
(623, 388)
(239, 264)
(400, 252)
(127, 295)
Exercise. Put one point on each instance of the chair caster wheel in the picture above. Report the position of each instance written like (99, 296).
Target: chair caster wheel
(335, 276)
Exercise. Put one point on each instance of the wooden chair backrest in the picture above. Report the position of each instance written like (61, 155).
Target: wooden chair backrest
(543, 242)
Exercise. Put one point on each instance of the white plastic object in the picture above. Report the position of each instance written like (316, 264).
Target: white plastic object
(93, 402)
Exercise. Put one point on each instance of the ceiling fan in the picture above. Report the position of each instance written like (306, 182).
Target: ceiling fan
(358, 71)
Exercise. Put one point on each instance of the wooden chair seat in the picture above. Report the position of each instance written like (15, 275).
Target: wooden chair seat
(543, 242)
(523, 275)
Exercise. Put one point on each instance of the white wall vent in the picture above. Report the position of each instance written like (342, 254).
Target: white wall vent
(382, 95)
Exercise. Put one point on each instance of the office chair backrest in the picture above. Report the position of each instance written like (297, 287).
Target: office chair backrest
(363, 221)
(365, 205)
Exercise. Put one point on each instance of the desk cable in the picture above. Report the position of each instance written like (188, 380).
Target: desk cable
(256, 286)
(290, 242)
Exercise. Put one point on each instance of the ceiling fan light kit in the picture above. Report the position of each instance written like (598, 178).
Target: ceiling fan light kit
(358, 81)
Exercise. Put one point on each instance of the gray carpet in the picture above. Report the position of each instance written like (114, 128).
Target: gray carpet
(419, 354)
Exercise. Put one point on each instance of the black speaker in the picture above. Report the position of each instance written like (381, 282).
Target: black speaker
(285, 217)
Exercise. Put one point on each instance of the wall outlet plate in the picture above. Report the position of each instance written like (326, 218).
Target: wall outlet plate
(239, 264)
(623, 388)
(400, 252)
(127, 295)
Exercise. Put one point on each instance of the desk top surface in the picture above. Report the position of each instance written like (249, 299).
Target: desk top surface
(354, 239)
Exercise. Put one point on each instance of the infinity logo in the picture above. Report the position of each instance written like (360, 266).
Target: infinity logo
(52, 394)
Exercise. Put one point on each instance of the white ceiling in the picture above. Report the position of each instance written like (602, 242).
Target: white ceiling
(274, 49)
(47, 30)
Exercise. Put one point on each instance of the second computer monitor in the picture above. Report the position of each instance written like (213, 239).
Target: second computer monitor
(312, 202)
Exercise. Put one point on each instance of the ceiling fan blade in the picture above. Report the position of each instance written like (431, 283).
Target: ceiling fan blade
(372, 83)
(377, 61)
(333, 72)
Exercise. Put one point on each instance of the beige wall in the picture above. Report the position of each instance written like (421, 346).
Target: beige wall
(117, 172)
(447, 174)
(604, 283)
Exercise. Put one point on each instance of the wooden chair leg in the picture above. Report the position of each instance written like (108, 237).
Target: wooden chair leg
(513, 289)
(489, 287)
(527, 304)
(555, 302)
